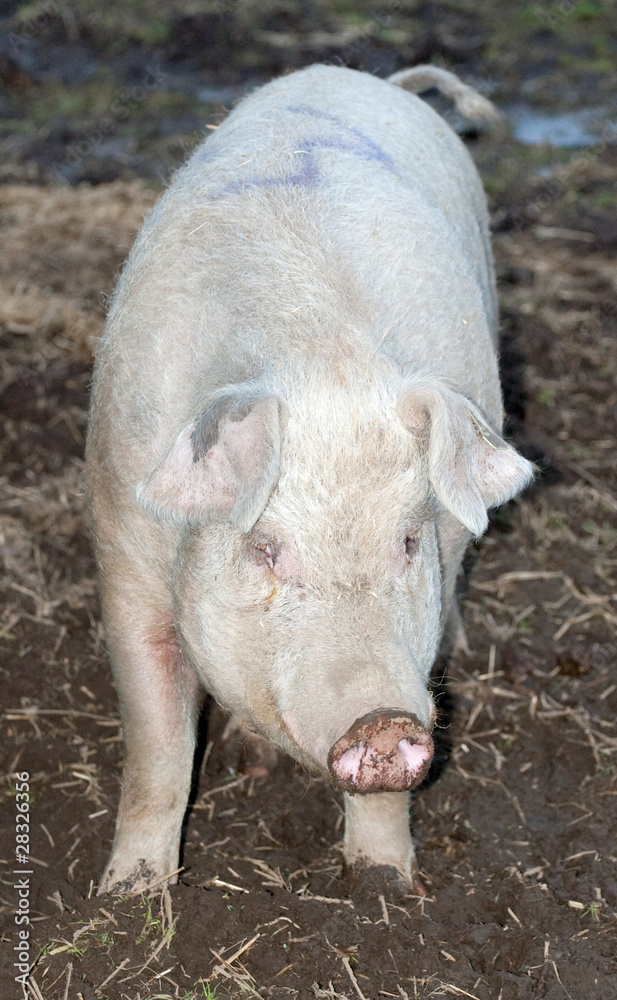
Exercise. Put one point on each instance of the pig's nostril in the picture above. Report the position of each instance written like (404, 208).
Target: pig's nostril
(349, 763)
(415, 756)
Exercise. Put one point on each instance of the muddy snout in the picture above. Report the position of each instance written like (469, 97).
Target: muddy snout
(384, 751)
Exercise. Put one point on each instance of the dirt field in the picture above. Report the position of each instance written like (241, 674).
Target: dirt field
(517, 834)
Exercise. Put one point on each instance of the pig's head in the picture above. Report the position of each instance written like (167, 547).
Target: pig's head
(308, 583)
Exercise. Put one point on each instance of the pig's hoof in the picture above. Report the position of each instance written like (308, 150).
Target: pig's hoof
(139, 879)
(252, 754)
(363, 878)
(258, 758)
(384, 751)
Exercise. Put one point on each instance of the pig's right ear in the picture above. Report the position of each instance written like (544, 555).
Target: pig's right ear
(223, 466)
(470, 467)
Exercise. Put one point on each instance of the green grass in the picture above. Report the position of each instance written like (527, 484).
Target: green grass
(604, 199)
(546, 396)
(593, 910)
(152, 924)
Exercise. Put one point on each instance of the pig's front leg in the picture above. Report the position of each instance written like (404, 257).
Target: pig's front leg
(159, 702)
(377, 833)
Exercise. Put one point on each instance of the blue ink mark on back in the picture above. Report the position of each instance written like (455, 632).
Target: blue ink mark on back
(352, 140)
(308, 176)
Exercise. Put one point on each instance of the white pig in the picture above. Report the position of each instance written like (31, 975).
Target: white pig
(294, 433)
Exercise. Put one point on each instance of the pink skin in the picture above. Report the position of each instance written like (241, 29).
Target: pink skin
(349, 764)
(415, 756)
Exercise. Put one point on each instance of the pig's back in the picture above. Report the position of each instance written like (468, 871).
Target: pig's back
(354, 146)
(332, 212)
(336, 119)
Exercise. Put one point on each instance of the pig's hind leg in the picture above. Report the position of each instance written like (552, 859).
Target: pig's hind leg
(251, 754)
(159, 702)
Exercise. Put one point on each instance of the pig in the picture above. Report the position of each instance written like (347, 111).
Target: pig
(295, 431)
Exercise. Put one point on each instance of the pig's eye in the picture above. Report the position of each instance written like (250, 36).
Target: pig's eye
(265, 553)
(412, 544)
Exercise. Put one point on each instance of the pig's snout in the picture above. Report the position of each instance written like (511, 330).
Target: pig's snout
(384, 751)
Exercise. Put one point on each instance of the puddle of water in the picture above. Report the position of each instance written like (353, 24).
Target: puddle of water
(220, 95)
(569, 129)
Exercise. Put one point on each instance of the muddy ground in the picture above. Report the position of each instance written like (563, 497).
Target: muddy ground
(516, 836)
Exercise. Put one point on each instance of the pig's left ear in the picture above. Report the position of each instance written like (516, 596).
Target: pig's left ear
(471, 468)
(222, 467)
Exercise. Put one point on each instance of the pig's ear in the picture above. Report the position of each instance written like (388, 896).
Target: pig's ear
(471, 468)
(223, 466)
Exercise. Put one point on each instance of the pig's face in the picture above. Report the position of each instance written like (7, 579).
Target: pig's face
(329, 607)
(308, 588)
